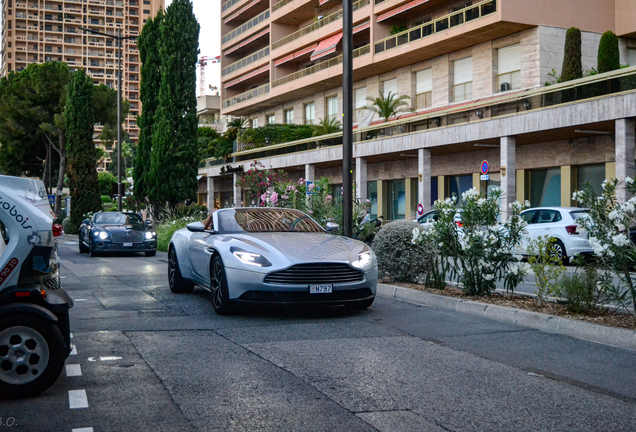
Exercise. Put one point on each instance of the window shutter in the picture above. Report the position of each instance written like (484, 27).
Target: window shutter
(424, 81)
(361, 97)
(390, 86)
(463, 70)
(509, 59)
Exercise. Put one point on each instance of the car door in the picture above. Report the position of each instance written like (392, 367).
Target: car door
(199, 253)
(543, 224)
(528, 216)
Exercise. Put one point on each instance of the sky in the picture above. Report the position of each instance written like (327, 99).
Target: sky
(208, 15)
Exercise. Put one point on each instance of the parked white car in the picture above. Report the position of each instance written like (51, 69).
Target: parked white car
(561, 224)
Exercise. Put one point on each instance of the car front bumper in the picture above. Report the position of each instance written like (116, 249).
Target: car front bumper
(246, 286)
(108, 246)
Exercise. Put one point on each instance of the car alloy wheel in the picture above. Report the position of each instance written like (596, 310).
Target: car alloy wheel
(175, 280)
(558, 250)
(218, 287)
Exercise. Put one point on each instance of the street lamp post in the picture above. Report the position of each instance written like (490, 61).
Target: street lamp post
(119, 40)
(347, 120)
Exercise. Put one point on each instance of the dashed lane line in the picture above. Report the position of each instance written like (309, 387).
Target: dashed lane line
(90, 429)
(77, 399)
(73, 370)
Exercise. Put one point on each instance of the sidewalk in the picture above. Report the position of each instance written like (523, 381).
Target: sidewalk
(617, 337)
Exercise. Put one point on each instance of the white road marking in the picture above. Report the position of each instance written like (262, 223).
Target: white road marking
(73, 243)
(83, 430)
(93, 359)
(71, 335)
(73, 370)
(77, 399)
(80, 300)
(74, 350)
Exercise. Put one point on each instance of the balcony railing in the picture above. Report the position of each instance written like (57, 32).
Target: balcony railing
(320, 66)
(228, 4)
(245, 27)
(315, 26)
(441, 24)
(246, 61)
(280, 4)
(258, 91)
(606, 84)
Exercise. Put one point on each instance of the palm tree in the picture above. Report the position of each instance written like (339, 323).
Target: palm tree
(326, 126)
(390, 106)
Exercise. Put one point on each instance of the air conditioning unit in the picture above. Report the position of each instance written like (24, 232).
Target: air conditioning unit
(505, 86)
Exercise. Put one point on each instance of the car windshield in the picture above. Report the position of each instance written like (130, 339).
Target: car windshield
(255, 220)
(116, 219)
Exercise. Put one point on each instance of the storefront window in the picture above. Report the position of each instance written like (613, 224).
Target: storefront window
(592, 174)
(372, 195)
(545, 187)
(434, 190)
(397, 200)
(460, 184)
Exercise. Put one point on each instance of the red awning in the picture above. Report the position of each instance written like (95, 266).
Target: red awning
(294, 55)
(401, 9)
(249, 75)
(326, 46)
(361, 27)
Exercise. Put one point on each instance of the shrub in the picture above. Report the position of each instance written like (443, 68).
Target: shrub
(398, 257)
(579, 290)
(608, 54)
(572, 68)
(69, 227)
(276, 133)
(193, 211)
(546, 266)
(167, 228)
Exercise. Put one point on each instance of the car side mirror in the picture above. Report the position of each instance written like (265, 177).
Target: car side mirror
(195, 227)
(332, 227)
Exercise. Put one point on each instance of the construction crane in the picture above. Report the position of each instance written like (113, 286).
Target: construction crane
(202, 63)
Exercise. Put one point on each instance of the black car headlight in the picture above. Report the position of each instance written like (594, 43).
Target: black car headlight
(365, 258)
(250, 258)
(101, 235)
(150, 235)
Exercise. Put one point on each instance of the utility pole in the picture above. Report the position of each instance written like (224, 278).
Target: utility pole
(347, 121)
(119, 39)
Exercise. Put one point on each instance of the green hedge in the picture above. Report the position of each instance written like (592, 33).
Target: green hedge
(276, 134)
(166, 229)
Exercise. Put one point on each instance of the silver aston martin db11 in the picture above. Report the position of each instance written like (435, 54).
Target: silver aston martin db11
(271, 255)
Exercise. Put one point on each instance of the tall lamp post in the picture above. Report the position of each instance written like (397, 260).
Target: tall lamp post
(119, 40)
(347, 120)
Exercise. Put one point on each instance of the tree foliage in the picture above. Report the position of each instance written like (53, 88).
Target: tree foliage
(608, 54)
(79, 123)
(276, 133)
(174, 156)
(327, 126)
(208, 138)
(572, 67)
(389, 106)
(148, 45)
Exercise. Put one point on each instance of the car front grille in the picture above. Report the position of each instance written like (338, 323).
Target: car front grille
(318, 273)
(127, 237)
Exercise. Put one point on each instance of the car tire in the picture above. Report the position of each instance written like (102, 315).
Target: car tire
(558, 249)
(82, 248)
(177, 283)
(42, 342)
(91, 249)
(218, 287)
(359, 304)
(150, 253)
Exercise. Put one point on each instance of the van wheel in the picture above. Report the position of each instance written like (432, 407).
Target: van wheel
(32, 355)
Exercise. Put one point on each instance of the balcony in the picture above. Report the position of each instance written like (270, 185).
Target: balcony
(319, 67)
(315, 26)
(258, 91)
(245, 27)
(438, 25)
(246, 61)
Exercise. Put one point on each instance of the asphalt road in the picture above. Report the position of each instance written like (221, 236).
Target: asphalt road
(150, 360)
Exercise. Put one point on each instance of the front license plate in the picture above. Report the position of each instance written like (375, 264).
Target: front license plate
(127, 244)
(320, 289)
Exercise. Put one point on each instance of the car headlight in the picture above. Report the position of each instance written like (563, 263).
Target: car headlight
(250, 257)
(101, 234)
(150, 235)
(364, 259)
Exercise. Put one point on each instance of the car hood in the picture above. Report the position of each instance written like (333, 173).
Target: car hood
(301, 247)
(121, 228)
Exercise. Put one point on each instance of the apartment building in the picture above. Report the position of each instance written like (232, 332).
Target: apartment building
(38, 31)
(475, 72)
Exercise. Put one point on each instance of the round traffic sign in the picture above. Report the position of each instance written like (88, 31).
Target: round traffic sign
(420, 209)
(485, 167)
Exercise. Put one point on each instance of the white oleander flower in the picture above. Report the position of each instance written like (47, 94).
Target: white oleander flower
(629, 181)
(471, 193)
(620, 240)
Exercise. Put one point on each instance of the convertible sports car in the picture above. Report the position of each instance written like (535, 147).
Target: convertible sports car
(117, 232)
(271, 255)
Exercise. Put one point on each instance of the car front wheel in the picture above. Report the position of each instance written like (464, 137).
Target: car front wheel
(177, 283)
(218, 287)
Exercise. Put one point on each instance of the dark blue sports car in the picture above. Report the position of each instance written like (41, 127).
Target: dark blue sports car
(117, 232)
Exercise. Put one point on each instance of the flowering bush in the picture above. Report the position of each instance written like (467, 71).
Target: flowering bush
(258, 181)
(480, 252)
(608, 227)
(398, 258)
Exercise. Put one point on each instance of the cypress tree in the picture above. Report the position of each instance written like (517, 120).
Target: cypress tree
(148, 45)
(572, 68)
(80, 149)
(608, 55)
(174, 157)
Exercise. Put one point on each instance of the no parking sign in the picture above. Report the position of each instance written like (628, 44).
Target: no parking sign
(420, 209)
(485, 168)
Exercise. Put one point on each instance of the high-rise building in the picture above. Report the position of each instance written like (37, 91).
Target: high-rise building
(475, 74)
(37, 31)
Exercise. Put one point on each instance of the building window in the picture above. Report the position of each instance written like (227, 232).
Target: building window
(271, 119)
(545, 187)
(424, 89)
(396, 208)
(389, 86)
(509, 68)
(289, 116)
(631, 56)
(332, 107)
(372, 196)
(592, 174)
(310, 113)
(463, 79)
(254, 123)
(361, 102)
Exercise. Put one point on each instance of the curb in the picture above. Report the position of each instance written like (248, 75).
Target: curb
(616, 337)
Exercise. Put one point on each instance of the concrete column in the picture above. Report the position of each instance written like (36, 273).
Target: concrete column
(238, 193)
(424, 177)
(210, 193)
(568, 184)
(625, 155)
(361, 179)
(310, 172)
(382, 198)
(508, 174)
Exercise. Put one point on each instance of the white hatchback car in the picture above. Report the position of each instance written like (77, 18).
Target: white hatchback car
(561, 224)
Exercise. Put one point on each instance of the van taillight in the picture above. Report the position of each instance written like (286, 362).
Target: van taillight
(571, 229)
(57, 230)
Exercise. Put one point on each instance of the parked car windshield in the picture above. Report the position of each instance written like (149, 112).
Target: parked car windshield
(116, 219)
(255, 220)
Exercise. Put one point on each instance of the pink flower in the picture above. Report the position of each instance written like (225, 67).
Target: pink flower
(328, 197)
(264, 197)
(311, 186)
(368, 201)
(301, 181)
(274, 198)
(310, 212)
(285, 197)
